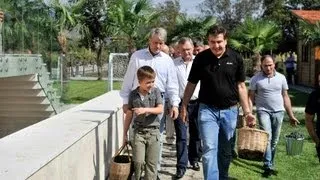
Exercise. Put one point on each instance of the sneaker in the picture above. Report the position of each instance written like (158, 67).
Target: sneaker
(195, 166)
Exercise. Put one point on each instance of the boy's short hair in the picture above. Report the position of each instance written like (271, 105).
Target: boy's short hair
(146, 72)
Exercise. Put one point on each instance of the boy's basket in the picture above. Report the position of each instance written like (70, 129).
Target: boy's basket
(252, 143)
(121, 166)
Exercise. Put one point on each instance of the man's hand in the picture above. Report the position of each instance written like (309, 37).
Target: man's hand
(174, 112)
(139, 111)
(294, 121)
(183, 113)
(125, 108)
(251, 120)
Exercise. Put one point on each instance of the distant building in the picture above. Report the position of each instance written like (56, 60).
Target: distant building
(308, 54)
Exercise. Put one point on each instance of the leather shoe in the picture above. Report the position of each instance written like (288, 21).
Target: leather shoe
(268, 172)
(195, 166)
(179, 174)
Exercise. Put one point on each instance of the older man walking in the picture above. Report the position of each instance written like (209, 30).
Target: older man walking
(166, 77)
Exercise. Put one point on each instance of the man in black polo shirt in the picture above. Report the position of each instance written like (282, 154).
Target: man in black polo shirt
(312, 108)
(221, 74)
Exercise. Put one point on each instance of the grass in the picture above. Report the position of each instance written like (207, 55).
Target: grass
(298, 99)
(303, 166)
(77, 92)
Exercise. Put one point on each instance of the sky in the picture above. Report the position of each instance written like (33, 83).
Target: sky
(188, 6)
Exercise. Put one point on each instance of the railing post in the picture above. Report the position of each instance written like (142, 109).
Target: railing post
(110, 73)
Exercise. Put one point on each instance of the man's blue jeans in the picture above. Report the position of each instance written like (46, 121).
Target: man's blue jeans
(270, 122)
(216, 128)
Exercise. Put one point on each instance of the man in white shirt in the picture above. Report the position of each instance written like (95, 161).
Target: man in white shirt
(193, 153)
(166, 79)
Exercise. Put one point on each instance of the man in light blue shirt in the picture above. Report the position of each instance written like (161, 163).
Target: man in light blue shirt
(166, 77)
(269, 90)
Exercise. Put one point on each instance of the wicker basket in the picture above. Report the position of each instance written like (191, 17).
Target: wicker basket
(121, 166)
(252, 143)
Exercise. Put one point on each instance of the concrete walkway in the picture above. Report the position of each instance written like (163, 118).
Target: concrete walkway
(168, 165)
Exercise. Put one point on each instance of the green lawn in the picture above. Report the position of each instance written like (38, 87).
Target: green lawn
(77, 92)
(304, 166)
(298, 99)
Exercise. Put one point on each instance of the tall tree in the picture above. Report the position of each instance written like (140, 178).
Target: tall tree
(94, 20)
(255, 36)
(170, 12)
(65, 17)
(23, 23)
(132, 20)
(191, 27)
(230, 13)
(304, 4)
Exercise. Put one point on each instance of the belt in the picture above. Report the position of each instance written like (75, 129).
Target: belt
(193, 101)
(144, 130)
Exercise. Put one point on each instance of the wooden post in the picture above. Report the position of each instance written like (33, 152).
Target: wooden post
(1, 21)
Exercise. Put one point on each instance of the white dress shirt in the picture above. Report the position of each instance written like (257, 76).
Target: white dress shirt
(166, 77)
(183, 70)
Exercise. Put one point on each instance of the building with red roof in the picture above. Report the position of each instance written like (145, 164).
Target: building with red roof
(308, 52)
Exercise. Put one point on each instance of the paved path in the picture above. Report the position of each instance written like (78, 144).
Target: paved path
(168, 165)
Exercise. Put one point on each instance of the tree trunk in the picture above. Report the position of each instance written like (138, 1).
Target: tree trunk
(256, 63)
(1, 21)
(99, 63)
(131, 47)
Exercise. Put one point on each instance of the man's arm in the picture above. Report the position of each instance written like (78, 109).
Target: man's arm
(310, 128)
(149, 110)
(244, 102)
(186, 98)
(127, 122)
(128, 82)
(251, 99)
(287, 106)
(172, 88)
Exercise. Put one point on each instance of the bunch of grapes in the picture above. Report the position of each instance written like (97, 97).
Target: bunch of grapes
(295, 135)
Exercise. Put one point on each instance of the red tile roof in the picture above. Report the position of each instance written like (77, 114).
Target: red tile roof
(311, 16)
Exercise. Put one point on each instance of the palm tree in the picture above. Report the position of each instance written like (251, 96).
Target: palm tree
(65, 19)
(310, 32)
(131, 19)
(191, 27)
(255, 36)
(95, 28)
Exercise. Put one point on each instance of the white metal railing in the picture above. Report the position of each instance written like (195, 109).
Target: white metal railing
(75, 144)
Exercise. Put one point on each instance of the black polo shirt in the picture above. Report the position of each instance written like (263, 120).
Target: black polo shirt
(218, 77)
(313, 107)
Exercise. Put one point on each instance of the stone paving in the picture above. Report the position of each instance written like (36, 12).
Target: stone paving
(168, 165)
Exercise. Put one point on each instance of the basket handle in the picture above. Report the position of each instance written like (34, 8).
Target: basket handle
(256, 126)
(125, 145)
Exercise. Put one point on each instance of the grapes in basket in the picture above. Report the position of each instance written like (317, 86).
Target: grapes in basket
(295, 135)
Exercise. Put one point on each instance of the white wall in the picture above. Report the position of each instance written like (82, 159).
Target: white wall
(75, 144)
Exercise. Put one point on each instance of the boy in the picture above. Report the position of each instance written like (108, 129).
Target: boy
(145, 103)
